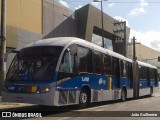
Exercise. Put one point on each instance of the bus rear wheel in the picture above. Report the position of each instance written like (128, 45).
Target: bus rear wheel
(84, 100)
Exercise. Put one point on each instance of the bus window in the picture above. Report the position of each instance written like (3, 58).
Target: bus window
(107, 65)
(142, 72)
(35, 63)
(151, 73)
(89, 62)
(68, 63)
(84, 60)
(115, 66)
(129, 71)
(156, 77)
(123, 68)
(97, 62)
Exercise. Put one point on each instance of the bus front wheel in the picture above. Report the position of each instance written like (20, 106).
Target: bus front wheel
(84, 100)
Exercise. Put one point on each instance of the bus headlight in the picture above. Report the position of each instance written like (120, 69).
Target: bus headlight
(44, 90)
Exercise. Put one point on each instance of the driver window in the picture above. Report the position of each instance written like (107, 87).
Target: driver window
(65, 64)
(69, 59)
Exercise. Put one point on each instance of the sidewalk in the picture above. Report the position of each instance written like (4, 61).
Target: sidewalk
(5, 105)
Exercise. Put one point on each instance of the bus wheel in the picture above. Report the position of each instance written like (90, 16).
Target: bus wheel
(123, 95)
(84, 100)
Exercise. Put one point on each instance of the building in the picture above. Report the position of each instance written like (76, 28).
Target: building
(31, 20)
(145, 54)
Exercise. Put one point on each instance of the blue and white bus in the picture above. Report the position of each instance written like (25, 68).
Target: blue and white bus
(67, 70)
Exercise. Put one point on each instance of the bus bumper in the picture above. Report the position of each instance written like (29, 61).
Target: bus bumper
(31, 98)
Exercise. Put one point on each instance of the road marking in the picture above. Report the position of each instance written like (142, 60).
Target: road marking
(93, 108)
(63, 118)
(100, 110)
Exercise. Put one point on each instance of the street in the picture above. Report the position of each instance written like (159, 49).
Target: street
(112, 109)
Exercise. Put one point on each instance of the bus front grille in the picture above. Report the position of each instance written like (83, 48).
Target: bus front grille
(63, 97)
(67, 97)
(72, 96)
(95, 96)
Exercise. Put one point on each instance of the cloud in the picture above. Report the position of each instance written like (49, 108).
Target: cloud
(143, 3)
(121, 19)
(78, 7)
(156, 44)
(137, 11)
(62, 2)
(149, 38)
(140, 9)
(95, 4)
(111, 5)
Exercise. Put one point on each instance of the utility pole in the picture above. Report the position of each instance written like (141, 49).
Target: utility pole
(102, 24)
(134, 49)
(3, 44)
(101, 19)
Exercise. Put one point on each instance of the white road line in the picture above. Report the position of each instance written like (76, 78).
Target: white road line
(63, 118)
(87, 109)
(100, 110)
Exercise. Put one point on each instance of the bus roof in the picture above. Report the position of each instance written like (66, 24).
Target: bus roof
(58, 41)
(146, 64)
(65, 41)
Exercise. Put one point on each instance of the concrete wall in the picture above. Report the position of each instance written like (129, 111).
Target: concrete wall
(144, 53)
(32, 20)
(58, 20)
(90, 21)
(22, 15)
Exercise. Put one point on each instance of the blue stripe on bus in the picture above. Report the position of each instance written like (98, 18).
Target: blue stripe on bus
(143, 83)
(95, 82)
(153, 83)
(126, 82)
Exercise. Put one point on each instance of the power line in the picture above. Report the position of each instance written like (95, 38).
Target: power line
(111, 2)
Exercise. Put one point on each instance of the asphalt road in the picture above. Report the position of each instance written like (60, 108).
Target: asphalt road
(146, 107)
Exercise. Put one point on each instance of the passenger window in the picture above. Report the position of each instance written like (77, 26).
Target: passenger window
(152, 74)
(97, 63)
(129, 71)
(84, 60)
(143, 72)
(123, 69)
(115, 66)
(107, 65)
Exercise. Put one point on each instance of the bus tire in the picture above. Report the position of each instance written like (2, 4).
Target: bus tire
(84, 99)
(123, 95)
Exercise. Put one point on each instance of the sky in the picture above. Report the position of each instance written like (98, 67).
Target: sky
(142, 16)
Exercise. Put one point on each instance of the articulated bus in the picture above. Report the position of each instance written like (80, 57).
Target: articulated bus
(67, 71)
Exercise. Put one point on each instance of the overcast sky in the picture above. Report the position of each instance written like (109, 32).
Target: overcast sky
(142, 16)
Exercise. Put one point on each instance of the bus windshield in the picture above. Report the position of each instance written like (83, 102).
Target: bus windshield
(35, 63)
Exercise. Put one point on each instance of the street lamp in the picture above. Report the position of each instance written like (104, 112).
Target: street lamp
(101, 19)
